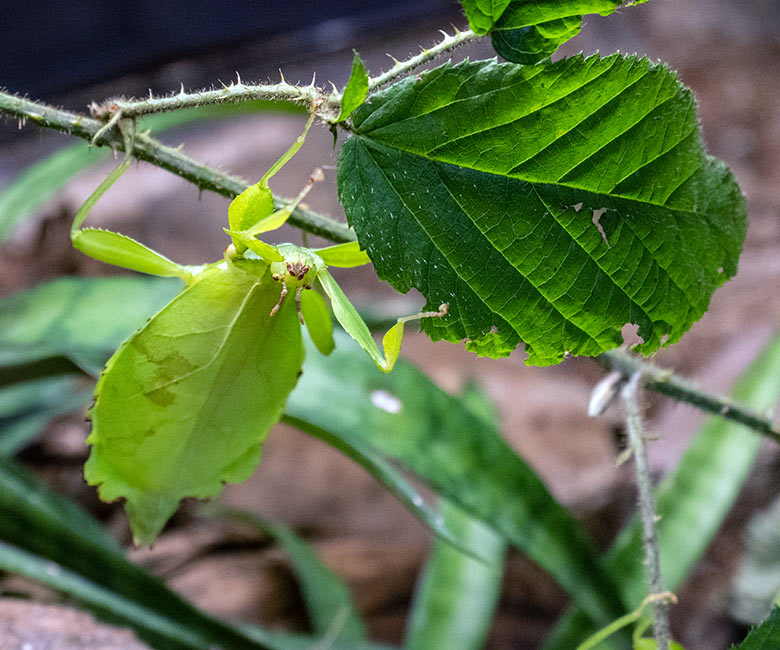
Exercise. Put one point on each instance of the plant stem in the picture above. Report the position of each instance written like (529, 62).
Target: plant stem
(150, 150)
(233, 93)
(630, 395)
(405, 67)
(665, 382)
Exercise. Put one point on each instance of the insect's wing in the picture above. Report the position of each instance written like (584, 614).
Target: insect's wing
(185, 403)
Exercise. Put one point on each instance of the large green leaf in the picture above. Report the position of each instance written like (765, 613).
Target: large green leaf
(547, 204)
(692, 502)
(459, 454)
(184, 405)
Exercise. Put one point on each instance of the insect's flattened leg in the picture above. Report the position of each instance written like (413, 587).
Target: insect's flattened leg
(278, 218)
(114, 248)
(281, 297)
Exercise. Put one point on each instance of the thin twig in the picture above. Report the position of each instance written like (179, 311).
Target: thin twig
(150, 150)
(402, 68)
(630, 395)
(665, 382)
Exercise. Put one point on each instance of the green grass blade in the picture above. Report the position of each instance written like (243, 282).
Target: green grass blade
(330, 606)
(48, 538)
(457, 453)
(693, 502)
(81, 319)
(457, 595)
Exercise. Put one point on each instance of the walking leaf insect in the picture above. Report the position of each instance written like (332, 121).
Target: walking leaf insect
(185, 403)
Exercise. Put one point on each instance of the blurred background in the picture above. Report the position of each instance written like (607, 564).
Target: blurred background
(72, 53)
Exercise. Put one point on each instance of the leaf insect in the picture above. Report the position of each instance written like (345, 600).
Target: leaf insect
(184, 404)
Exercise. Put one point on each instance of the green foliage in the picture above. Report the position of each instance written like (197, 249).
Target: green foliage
(527, 31)
(527, 197)
(457, 595)
(765, 637)
(457, 453)
(356, 90)
(326, 596)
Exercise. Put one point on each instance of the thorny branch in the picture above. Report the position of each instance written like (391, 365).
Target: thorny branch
(150, 150)
(667, 383)
(327, 104)
(636, 435)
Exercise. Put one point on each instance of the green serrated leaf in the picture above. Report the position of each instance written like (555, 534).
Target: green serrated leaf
(527, 31)
(765, 637)
(356, 90)
(184, 404)
(548, 204)
(531, 44)
(456, 452)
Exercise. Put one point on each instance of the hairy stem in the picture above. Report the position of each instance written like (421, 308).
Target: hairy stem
(665, 382)
(402, 68)
(235, 92)
(150, 150)
(636, 435)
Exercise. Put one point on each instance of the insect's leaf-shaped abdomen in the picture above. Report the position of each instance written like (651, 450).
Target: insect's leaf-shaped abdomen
(185, 403)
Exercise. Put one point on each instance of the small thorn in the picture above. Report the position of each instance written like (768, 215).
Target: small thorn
(395, 61)
(281, 74)
(238, 77)
(332, 85)
(181, 90)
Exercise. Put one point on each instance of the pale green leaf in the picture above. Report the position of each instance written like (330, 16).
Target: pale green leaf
(456, 595)
(356, 90)
(184, 404)
(548, 204)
